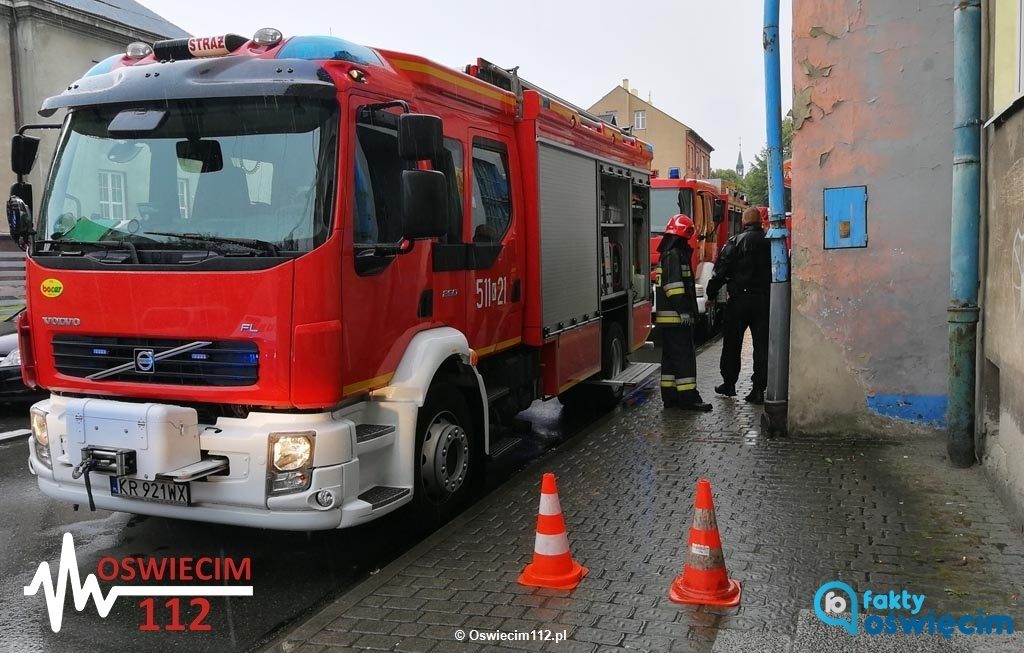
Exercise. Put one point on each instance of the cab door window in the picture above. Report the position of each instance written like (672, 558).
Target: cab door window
(377, 186)
(452, 166)
(492, 200)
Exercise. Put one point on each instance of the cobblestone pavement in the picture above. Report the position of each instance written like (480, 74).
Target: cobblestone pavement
(880, 513)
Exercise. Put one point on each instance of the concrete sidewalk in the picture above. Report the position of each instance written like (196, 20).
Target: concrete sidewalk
(878, 513)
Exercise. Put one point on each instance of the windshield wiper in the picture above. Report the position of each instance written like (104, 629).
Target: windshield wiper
(252, 244)
(106, 245)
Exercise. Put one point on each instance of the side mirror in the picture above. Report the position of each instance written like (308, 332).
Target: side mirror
(419, 137)
(424, 204)
(19, 219)
(719, 212)
(23, 153)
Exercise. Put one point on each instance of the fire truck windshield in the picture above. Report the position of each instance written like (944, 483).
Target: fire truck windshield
(219, 175)
(666, 202)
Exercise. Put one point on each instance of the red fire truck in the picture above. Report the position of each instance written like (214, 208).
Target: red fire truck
(292, 282)
(699, 200)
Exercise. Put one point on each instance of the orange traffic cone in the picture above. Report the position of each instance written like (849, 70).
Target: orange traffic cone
(704, 580)
(552, 564)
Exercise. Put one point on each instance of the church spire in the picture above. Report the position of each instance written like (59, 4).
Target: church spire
(739, 161)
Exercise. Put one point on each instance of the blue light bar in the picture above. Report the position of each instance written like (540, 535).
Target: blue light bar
(104, 66)
(328, 47)
(98, 351)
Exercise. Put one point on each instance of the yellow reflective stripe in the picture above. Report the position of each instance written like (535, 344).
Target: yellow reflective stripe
(675, 291)
(686, 274)
(683, 387)
(668, 384)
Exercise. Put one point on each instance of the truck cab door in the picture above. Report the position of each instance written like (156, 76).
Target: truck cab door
(495, 247)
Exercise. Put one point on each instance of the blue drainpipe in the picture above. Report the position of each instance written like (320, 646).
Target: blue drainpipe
(963, 256)
(776, 399)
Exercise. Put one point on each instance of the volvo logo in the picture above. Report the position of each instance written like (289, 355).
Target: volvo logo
(144, 361)
(62, 321)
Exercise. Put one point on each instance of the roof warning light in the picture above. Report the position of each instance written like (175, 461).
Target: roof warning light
(138, 50)
(267, 36)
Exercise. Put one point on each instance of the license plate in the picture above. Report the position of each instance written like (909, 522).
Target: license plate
(179, 494)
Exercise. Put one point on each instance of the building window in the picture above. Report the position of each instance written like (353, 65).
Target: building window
(183, 198)
(639, 120)
(112, 204)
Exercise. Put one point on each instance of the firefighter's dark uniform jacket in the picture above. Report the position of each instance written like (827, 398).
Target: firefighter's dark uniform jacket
(744, 265)
(745, 268)
(677, 294)
(675, 313)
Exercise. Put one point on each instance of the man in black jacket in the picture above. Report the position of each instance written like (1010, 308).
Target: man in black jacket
(744, 266)
(676, 310)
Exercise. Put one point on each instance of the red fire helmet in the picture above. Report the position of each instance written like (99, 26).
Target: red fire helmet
(681, 225)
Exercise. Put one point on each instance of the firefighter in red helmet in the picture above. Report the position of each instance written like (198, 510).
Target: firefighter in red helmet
(675, 314)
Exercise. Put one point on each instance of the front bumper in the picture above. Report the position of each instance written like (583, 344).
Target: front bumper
(240, 496)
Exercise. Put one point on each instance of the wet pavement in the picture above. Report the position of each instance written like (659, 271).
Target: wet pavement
(294, 574)
(881, 513)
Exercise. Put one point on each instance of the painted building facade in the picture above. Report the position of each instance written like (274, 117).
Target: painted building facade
(48, 43)
(675, 144)
(872, 108)
(1000, 423)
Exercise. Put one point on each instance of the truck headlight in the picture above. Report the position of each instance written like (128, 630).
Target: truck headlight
(291, 460)
(40, 437)
(12, 359)
(38, 420)
(291, 451)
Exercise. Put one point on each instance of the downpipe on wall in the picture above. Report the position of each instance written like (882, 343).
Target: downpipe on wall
(776, 405)
(962, 313)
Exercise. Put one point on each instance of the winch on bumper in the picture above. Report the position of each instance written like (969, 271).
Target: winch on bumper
(269, 470)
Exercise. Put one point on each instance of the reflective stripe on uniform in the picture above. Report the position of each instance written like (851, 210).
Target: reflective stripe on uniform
(668, 380)
(683, 387)
(686, 274)
(667, 317)
(675, 288)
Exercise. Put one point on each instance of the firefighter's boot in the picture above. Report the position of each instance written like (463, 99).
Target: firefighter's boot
(755, 397)
(691, 400)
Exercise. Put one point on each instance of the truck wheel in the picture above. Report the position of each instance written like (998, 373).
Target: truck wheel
(448, 455)
(613, 361)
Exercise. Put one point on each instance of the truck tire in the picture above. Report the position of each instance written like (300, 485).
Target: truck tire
(449, 457)
(613, 361)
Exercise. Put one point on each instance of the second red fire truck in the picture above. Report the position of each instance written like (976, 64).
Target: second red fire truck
(291, 282)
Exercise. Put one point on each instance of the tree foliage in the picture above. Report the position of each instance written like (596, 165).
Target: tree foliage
(755, 184)
(727, 175)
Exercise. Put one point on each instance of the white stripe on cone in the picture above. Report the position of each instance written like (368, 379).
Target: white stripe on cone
(551, 545)
(549, 504)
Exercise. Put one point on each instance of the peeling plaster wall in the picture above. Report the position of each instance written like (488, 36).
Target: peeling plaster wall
(1003, 312)
(873, 101)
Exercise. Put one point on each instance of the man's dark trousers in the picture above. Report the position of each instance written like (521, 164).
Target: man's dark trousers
(747, 310)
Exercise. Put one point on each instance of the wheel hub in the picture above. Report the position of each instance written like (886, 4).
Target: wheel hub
(445, 458)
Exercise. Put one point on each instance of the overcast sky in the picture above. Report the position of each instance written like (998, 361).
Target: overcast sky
(700, 60)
